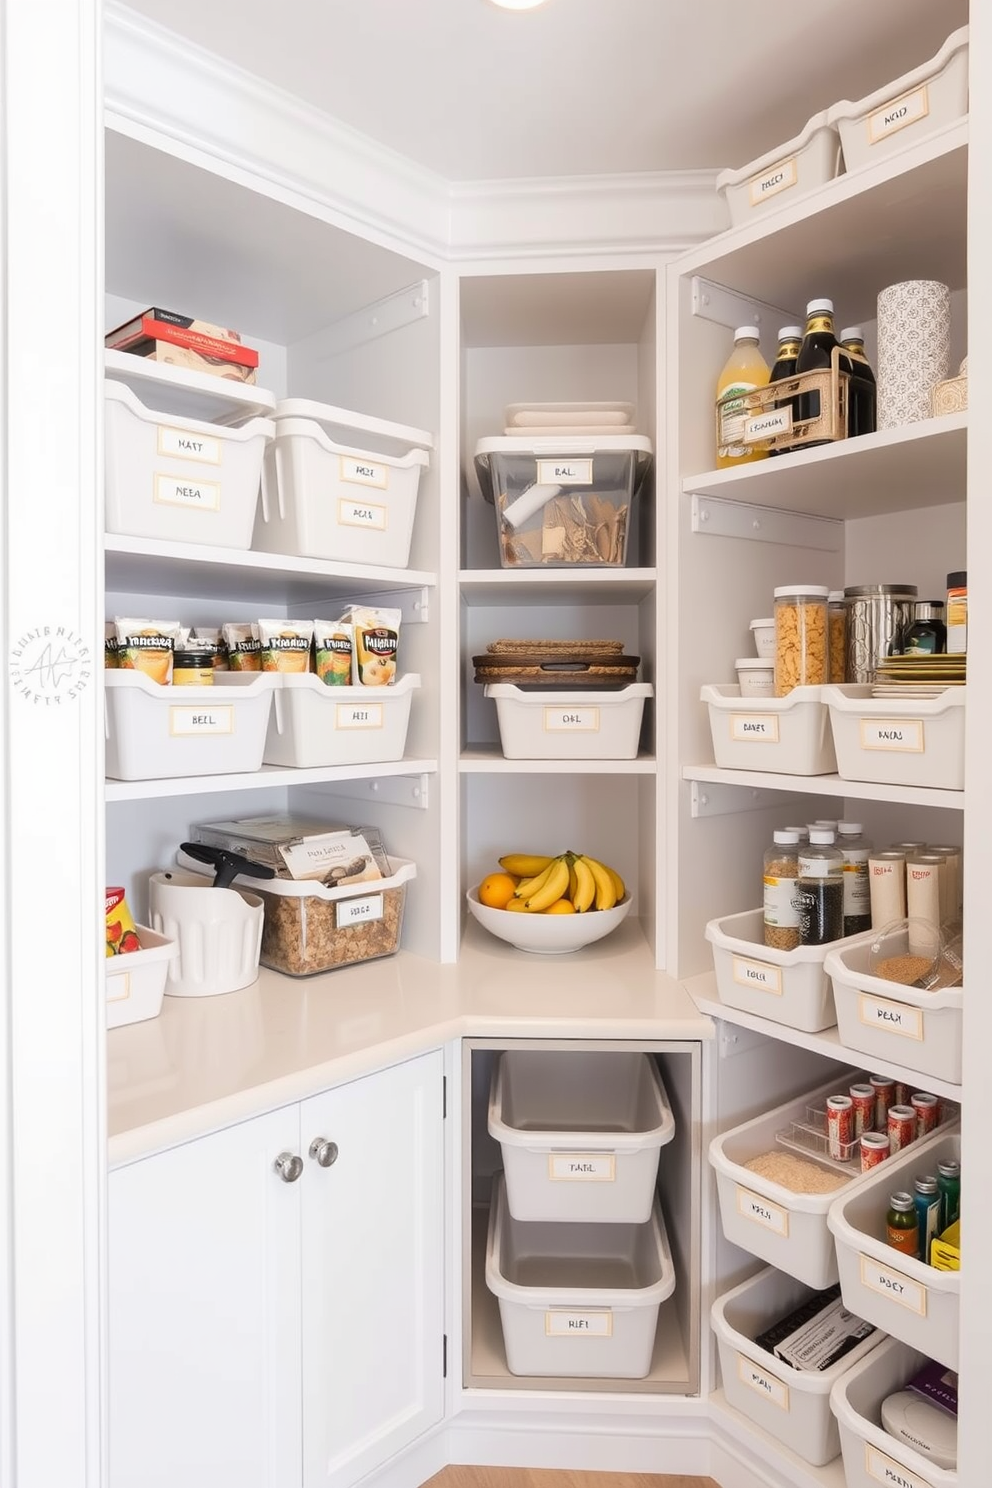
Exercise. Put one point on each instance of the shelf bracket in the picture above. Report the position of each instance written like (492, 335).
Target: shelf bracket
(716, 518)
(413, 604)
(727, 308)
(393, 790)
(709, 799)
(381, 318)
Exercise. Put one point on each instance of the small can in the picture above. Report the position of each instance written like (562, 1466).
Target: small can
(840, 1127)
(863, 1098)
(926, 1110)
(874, 1149)
(901, 1127)
(900, 1094)
(884, 1089)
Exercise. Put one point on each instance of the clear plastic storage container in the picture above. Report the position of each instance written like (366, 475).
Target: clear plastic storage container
(801, 648)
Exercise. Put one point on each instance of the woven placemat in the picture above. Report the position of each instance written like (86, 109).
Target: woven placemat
(579, 650)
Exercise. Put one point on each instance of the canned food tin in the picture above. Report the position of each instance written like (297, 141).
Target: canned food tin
(901, 1127)
(884, 1089)
(900, 1095)
(874, 1149)
(863, 1098)
(926, 1110)
(840, 1127)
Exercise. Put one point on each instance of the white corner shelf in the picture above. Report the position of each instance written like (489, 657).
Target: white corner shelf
(268, 775)
(787, 1465)
(827, 785)
(587, 586)
(192, 570)
(917, 465)
(489, 760)
(703, 991)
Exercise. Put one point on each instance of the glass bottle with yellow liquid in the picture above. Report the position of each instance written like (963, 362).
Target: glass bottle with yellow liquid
(746, 369)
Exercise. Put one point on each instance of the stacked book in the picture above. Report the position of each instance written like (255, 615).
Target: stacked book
(164, 336)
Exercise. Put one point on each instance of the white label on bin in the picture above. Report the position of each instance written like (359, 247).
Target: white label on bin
(362, 514)
(358, 716)
(578, 1324)
(359, 911)
(909, 109)
(363, 472)
(894, 735)
(582, 1167)
(121, 984)
(771, 1389)
(181, 444)
(883, 1470)
(754, 728)
(564, 472)
(891, 1017)
(758, 974)
(762, 1211)
(781, 176)
(184, 722)
(765, 425)
(571, 720)
(894, 1285)
(171, 490)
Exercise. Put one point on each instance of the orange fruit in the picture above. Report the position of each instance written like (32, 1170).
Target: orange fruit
(561, 906)
(496, 890)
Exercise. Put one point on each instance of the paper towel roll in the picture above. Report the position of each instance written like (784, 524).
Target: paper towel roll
(914, 347)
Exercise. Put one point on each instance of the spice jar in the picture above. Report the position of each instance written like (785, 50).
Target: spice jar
(957, 613)
(800, 637)
(837, 635)
(781, 910)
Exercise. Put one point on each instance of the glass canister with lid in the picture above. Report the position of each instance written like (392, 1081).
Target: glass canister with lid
(877, 617)
(837, 636)
(800, 637)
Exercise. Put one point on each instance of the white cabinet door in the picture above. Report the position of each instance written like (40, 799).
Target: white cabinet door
(372, 1271)
(205, 1313)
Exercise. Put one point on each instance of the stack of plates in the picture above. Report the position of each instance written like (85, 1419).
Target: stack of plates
(570, 420)
(918, 676)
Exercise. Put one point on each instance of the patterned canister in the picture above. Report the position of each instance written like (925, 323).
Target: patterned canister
(914, 349)
(877, 615)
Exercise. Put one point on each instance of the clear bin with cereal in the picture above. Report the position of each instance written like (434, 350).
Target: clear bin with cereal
(800, 637)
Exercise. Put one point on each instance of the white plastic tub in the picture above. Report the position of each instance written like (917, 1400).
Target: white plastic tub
(136, 981)
(889, 741)
(157, 733)
(580, 1133)
(792, 1405)
(871, 1455)
(341, 486)
(578, 1300)
(313, 725)
(180, 479)
(788, 1230)
(755, 677)
(928, 98)
(810, 160)
(895, 1024)
(763, 635)
(787, 736)
(790, 987)
(909, 1299)
(585, 724)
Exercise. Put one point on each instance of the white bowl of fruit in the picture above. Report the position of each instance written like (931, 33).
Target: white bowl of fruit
(550, 905)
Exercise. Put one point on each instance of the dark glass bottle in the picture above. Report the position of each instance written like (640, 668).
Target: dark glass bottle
(927, 636)
(861, 404)
(901, 1225)
(790, 338)
(820, 890)
(815, 355)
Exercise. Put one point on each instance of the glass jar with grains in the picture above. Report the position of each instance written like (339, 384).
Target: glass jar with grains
(781, 908)
(800, 637)
(837, 635)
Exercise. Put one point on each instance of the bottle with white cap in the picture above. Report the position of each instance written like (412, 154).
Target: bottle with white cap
(861, 402)
(781, 868)
(857, 884)
(745, 370)
(790, 338)
(820, 889)
(815, 355)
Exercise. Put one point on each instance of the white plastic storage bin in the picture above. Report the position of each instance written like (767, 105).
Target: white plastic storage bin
(580, 1133)
(891, 741)
(790, 987)
(787, 736)
(341, 486)
(180, 479)
(906, 1297)
(792, 1405)
(156, 732)
(313, 725)
(806, 162)
(787, 1229)
(929, 97)
(585, 724)
(578, 1300)
(895, 1024)
(136, 981)
(871, 1454)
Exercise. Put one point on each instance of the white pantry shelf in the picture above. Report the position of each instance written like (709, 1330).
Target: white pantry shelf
(918, 465)
(268, 775)
(827, 785)
(587, 586)
(703, 991)
(489, 760)
(193, 570)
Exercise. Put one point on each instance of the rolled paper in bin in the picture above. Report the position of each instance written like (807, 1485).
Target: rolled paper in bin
(914, 346)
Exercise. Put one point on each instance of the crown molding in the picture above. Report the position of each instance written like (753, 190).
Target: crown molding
(167, 90)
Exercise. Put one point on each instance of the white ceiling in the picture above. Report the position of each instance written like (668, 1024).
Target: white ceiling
(576, 87)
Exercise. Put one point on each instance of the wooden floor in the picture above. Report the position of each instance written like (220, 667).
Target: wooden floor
(529, 1477)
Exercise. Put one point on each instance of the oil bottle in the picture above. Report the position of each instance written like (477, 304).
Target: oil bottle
(861, 403)
(790, 338)
(746, 369)
(815, 356)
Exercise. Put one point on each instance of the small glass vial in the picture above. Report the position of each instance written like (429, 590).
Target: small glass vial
(902, 1229)
(837, 635)
(781, 870)
(800, 637)
(820, 890)
(927, 636)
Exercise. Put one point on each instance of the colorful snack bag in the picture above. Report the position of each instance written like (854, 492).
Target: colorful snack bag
(212, 635)
(147, 646)
(285, 644)
(110, 644)
(244, 650)
(122, 936)
(334, 644)
(377, 636)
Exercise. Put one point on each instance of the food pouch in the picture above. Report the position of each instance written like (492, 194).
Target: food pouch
(211, 635)
(333, 647)
(285, 644)
(110, 644)
(244, 650)
(122, 935)
(377, 635)
(147, 646)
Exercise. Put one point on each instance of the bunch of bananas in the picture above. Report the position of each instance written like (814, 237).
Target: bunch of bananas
(570, 882)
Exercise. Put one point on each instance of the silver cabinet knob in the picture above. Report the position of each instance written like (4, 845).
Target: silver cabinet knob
(288, 1166)
(324, 1152)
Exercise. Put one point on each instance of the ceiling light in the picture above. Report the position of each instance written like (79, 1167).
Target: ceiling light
(518, 4)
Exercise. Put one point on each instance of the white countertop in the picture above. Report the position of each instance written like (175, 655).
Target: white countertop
(207, 1062)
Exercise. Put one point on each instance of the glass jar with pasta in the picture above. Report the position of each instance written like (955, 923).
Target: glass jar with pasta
(801, 654)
